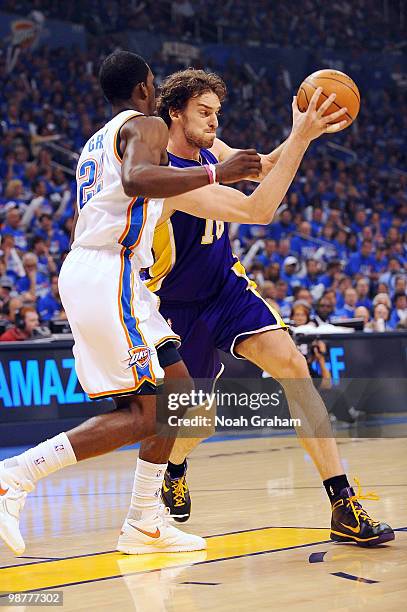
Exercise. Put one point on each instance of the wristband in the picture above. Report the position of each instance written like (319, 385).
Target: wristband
(210, 172)
(213, 168)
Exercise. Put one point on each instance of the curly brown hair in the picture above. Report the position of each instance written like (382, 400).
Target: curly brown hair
(183, 85)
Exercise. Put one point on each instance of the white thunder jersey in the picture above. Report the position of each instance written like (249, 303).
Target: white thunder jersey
(107, 217)
(114, 318)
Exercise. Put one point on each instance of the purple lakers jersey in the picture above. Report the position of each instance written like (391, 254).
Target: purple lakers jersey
(192, 256)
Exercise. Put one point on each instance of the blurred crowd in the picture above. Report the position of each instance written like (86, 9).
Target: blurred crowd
(351, 24)
(336, 250)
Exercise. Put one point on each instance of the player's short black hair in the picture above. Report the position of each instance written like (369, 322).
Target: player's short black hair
(178, 88)
(119, 74)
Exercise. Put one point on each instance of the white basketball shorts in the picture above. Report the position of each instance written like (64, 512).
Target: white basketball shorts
(114, 321)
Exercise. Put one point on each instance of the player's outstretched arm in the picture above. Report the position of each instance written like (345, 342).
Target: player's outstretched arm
(226, 204)
(143, 142)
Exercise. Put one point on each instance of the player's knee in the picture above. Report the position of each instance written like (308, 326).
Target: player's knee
(290, 362)
(177, 389)
(298, 364)
(293, 362)
(143, 416)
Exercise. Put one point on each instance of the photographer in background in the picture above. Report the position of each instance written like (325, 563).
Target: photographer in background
(315, 355)
(339, 408)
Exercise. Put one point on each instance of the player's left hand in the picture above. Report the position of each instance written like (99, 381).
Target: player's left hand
(313, 123)
(240, 165)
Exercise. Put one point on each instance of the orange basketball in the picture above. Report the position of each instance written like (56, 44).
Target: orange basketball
(331, 81)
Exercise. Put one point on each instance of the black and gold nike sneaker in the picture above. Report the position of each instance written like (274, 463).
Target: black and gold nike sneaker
(175, 495)
(351, 523)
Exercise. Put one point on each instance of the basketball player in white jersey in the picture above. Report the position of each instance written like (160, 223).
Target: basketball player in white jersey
(114, 319)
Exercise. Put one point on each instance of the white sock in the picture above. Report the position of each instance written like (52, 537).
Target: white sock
(41, 460)
(145, 498)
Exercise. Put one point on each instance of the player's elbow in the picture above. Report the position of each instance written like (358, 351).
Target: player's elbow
(263, 218)
(138, 188)
(128, 188)
(129, 184)
(265, 214)
(135, 183)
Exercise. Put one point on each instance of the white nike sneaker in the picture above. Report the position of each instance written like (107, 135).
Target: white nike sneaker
(12, 500)
(156, 536)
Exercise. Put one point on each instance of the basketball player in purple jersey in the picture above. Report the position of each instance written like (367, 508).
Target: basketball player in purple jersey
(209, 301)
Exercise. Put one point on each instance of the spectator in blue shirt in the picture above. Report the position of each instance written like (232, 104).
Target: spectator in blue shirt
(50, 306)
(348, 309)
(359, 222)
(284, 226)
(398, 315)
(303, 246)
(11, 257)
(363, 290)
(13, 195)
(33, 282)
(380, 259)
(332, 270)
(363, 262)
(289, 273)
(266, 256)
(12, 119)
(248, 234)
(317, 223)
(283, 251)
(46, 264)
(13, 227)
(340, 243)
(312, 274)
(328, 249)
(398, 250)
(284, 304)
(58, 241)
(393, 272)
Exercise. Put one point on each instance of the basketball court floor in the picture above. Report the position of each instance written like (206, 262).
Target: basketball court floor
(261, 506)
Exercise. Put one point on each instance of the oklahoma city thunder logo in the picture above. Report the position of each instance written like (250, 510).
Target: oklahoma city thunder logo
(139, 356)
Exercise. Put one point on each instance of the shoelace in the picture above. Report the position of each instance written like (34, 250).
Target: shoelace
(9, 480)
(14, 501)
(357, 509)
(179, 490)
(164, 515)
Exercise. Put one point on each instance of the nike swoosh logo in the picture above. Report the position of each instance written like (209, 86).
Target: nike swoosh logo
(155, 535)
(354, 529)
(166, 489)
(3, 491)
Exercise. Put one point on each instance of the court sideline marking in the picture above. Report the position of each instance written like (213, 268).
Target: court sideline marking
(109, 565)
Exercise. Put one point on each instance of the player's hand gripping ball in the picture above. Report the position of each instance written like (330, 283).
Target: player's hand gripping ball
(331, 81)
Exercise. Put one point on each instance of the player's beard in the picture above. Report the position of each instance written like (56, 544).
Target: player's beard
(200, 141)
